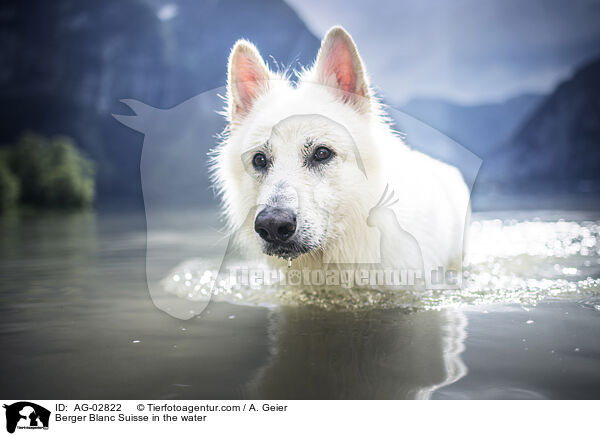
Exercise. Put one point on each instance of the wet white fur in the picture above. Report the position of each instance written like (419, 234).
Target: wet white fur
(433, 198)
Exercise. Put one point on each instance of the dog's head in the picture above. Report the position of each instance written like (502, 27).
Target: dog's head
(297, 155)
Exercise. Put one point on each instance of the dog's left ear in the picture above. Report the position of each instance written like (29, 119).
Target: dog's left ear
(248, 78)
(339, 66)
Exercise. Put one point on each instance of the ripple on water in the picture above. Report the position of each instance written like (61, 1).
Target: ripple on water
(506, 262)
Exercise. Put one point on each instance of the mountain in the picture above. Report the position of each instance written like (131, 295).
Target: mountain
(558, 146)
(468, 50)
(479, 128)
(66, 65)
(200, 35)
(530, 143)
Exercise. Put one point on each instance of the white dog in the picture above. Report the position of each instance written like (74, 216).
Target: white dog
(313, 172)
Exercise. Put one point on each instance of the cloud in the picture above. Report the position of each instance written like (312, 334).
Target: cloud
(465, 50)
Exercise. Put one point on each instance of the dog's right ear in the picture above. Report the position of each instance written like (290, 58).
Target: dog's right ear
(248, 78)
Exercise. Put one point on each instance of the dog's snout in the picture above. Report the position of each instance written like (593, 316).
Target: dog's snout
(275, 224)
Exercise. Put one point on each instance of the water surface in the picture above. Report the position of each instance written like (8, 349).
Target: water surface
(78, 322)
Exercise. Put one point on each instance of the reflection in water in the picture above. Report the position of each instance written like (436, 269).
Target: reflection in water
(383, 354)
(77, 321)
(53, 254)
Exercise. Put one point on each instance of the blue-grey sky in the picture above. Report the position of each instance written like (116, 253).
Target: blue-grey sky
(469, 51)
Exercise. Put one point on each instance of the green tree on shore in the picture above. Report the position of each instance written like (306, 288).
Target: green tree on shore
(9, 186)
(45, 173)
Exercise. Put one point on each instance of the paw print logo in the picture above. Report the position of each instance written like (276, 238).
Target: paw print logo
(294, 277)
(398, 248)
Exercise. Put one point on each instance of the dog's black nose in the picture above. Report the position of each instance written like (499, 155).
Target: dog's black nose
(275, 224)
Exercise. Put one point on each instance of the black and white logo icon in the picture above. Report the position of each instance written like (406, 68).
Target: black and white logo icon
(26, 415)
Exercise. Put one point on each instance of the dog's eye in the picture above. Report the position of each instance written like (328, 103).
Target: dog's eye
(322, 153)
(259, 161)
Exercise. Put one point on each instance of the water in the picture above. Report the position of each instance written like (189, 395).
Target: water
(77, 320)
